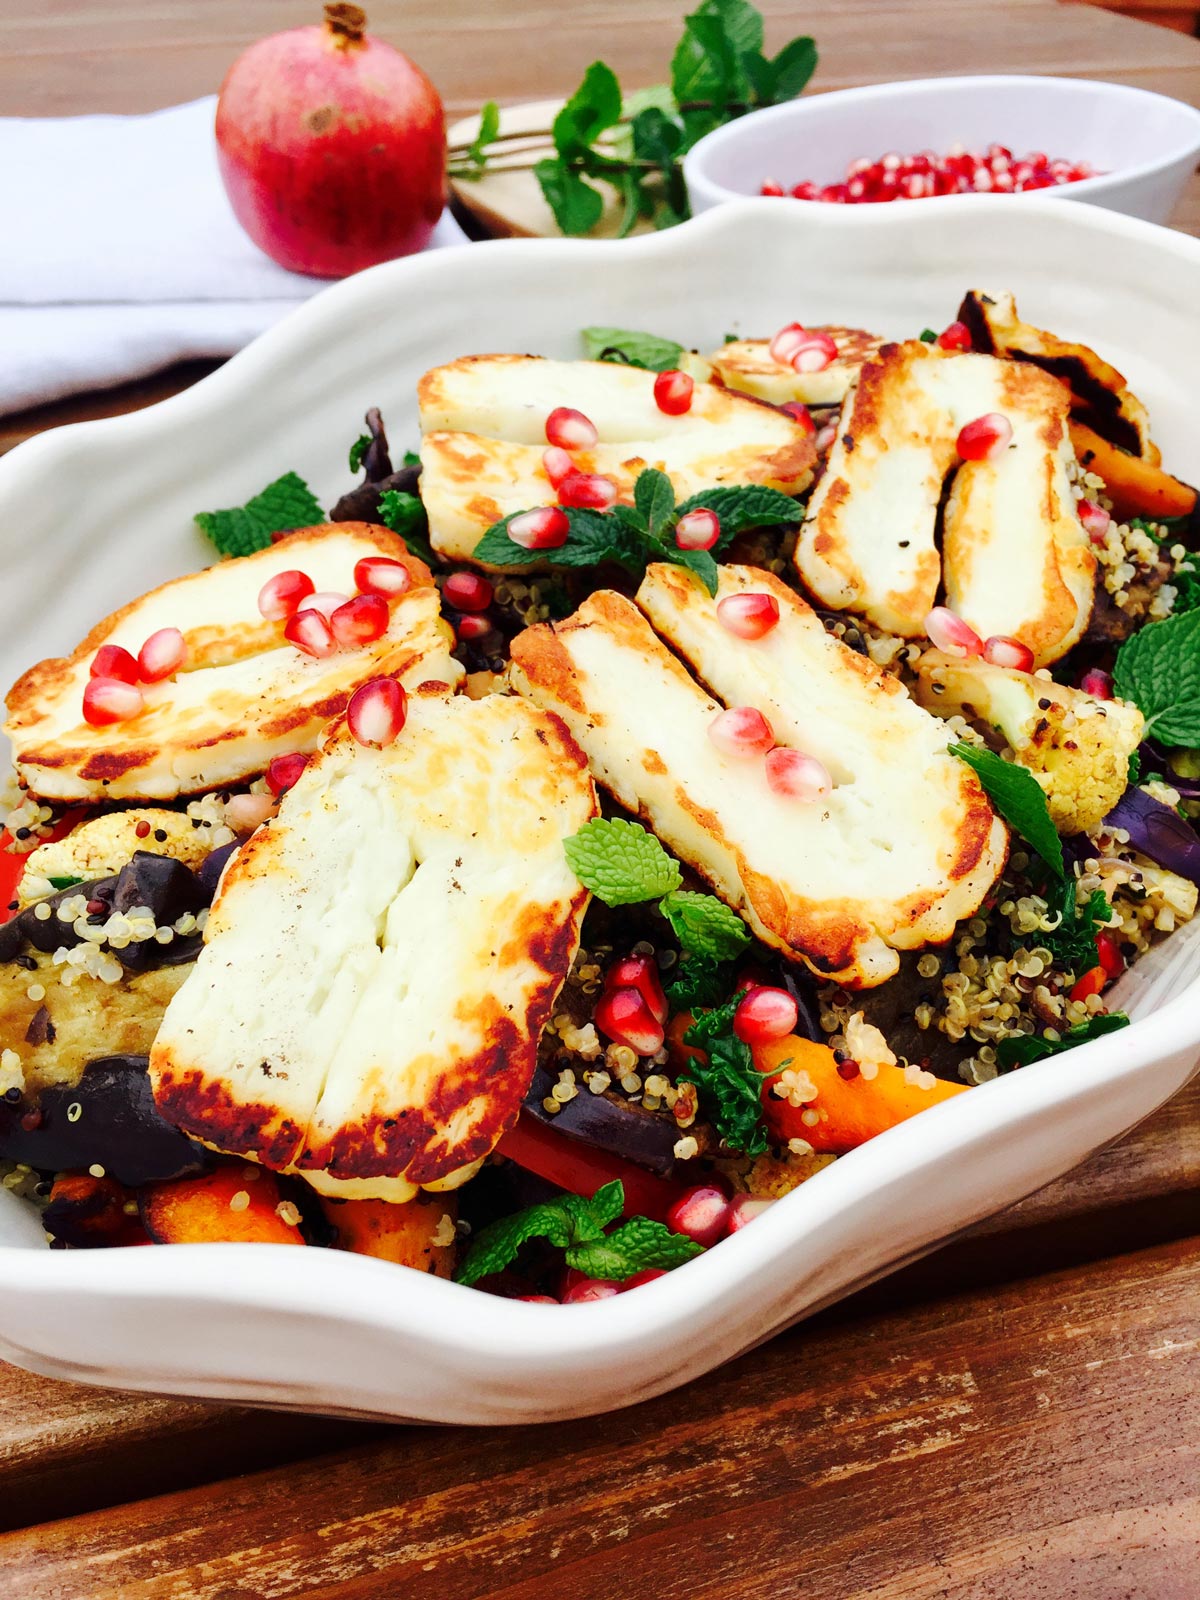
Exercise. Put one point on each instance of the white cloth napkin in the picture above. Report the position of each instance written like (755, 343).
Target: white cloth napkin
(121, 255)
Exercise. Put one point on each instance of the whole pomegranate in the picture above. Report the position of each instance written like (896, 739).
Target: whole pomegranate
(332, 147)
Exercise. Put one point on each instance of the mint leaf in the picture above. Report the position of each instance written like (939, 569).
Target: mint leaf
(1016, 795)
(654, 498)
(65, 882)
(1159, 670)
(698, 561)
(568, 1220)
(793, 67)
(634, 349)
(475, 155)
(594, 536)
(241, 530)
(633, 1247)
(577, 207)
(737, 509)
(701, 982)
(405, 514)
(1073, 942)
(704, 925)
(620, 862)
(728, 1083)
(1019, 1051)
(592, 110)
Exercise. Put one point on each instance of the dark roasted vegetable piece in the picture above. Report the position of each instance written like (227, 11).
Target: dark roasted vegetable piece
(88, 1213)
(1158, 831)
(643, 1137)
(118, 1126)
(170, 890)
(25, 929)
(210, 869)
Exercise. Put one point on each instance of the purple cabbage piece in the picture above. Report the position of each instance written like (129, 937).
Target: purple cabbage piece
(1158, 831)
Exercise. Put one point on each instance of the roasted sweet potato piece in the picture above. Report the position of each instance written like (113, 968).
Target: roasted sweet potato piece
(1136, 486)
(88, 1213)
(850, 1110)
(404, 1233)
(231, 1205)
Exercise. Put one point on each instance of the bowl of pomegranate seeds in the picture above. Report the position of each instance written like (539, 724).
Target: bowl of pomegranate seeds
(935, 138)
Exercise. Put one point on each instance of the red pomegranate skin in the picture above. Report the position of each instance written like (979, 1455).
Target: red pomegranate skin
(332, 151)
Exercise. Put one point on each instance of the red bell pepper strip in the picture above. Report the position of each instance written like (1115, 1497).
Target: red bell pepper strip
(1092, 981)
(581, 1169)
(12, 864)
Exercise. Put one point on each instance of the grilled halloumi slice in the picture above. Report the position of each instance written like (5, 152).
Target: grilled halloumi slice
(382, 957)
(244, 695)
(1015, 558)
(484, 418)
(904, 847)
(1101, 397)
(748, 366)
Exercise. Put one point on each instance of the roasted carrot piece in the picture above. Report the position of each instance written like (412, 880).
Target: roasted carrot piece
(849, 1110)
(1136, 486)
(681, 1054)
(88, 1213)
(230, 1205)
(404, 1233)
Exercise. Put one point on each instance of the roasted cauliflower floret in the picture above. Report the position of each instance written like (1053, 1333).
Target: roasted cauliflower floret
(1077, 747)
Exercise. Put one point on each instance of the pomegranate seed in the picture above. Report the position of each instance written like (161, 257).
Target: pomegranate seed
(360, 621)
(646, 1275)
(950, 633)
(162, 655)
(467, 591)
(559, 464)
(543, 529)
(743, 1209)
(1095, 520)
(245, 812)
(538, 1299)
(281, 595)
(742, 732)
(765, 1014)
(806, 191)
(956, 337)
(1002, 651)
(701, 1214)
(1109, 952)
(984, 438)
(309, 631)
(111, 661)
(673, 392)
(570, 430)
(1097, 683)
(795, 776)
(381, 575)
(698, 530)
(640, 973)
(587, 490)
(770, 187)
(284, 771)
(814, 354)
(325, 603)
(801, 414)
(748, 616)
(108, 700)
(591, 1289)
(625, 1017)
(786, 342)
(377, 712)
(472, 626)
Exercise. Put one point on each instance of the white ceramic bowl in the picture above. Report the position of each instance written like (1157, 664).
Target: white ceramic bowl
(91, 515)
(1144, 145)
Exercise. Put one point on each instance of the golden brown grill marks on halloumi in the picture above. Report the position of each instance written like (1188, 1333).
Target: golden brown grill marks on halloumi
(483, 421)
(382, 958)
(245, 693)
(748, 366)
(904, 847)
(1015, 558)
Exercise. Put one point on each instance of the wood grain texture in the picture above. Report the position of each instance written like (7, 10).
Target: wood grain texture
(1039, 1441)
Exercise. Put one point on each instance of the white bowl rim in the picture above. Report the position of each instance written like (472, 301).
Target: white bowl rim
(694, 162)
(424, 1308)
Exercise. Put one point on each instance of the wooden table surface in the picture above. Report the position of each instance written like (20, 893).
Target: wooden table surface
(1015, 1418)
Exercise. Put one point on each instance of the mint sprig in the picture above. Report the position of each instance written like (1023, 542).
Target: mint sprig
(635, 1246)
(1018, 797)
(623, 864)
(633, 349)
(241, 530)
(1020, 1050)
(1158, 668)
(727, 1081)
(633, 536)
